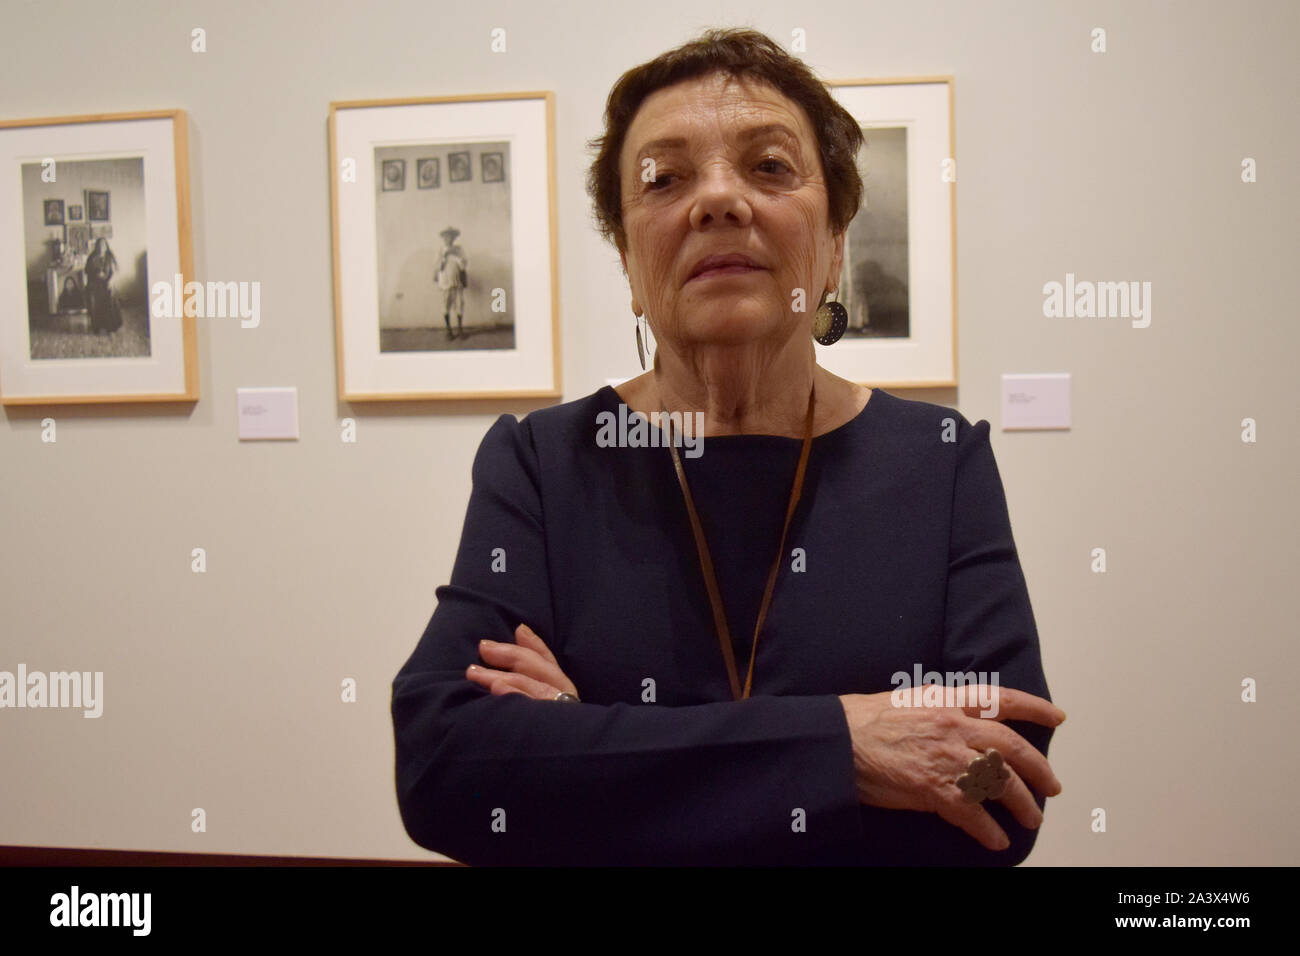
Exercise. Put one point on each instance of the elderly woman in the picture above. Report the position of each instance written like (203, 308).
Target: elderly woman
(650, 655)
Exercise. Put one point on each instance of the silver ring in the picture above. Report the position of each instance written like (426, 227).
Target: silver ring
(567, 698)
(986, 778)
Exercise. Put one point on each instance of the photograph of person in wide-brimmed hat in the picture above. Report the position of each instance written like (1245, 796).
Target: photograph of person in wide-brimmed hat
(424, 241)
(452, 276)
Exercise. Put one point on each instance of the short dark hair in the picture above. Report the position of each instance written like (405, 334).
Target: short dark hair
(741, 53)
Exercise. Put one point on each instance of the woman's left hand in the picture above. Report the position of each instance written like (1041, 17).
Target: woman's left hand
(526, 667)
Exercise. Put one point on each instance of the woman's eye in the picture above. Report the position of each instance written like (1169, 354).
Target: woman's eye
(659, 182)
(773, 161)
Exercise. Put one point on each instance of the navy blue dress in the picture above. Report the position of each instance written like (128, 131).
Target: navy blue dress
(907, 559)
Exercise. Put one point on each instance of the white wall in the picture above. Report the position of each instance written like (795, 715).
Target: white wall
(222, 688)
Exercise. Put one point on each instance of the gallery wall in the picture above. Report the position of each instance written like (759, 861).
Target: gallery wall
(222, 689)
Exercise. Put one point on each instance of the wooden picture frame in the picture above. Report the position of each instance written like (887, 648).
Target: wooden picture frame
(899, 279)
(115, 350)
(450, 290)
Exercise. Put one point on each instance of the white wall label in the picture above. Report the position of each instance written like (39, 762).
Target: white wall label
(267, 413)
(1035, 401)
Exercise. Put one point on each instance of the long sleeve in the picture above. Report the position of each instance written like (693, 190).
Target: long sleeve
(988, 622)
(508, 780)
(949, 574)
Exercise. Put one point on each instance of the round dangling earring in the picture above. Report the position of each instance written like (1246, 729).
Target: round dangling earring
(829, 322)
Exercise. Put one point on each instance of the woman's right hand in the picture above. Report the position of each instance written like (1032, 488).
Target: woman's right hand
(909, 758)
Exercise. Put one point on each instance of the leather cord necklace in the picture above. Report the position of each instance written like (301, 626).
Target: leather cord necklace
(706, 561)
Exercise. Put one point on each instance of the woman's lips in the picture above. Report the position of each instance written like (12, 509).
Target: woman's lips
(726, 271)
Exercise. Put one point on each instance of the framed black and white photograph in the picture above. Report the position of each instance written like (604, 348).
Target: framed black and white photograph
(79, 238)
(54, 212)
(74, 214)
(493, 167)
(448, 290)
(428, 173)
(393, 175)
(97, 203)
(898, 281)
(78, 325)
(458, 166)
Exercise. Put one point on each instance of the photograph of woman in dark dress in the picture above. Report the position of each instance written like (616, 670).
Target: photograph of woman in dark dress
(71, 299)
(105, 314)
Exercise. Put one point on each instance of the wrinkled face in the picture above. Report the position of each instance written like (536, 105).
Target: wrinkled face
(718, 166)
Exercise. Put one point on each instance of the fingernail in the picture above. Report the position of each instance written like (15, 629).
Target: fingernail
(486, 641)
(1062, 718)
(1004, 843)
(473, 667)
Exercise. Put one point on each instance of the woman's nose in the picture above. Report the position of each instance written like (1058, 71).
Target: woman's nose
(720, 197)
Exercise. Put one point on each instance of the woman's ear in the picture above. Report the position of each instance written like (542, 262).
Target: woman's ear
(622, 257)
(837, 261)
